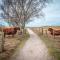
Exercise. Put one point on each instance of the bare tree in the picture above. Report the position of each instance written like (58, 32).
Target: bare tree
(20, 11)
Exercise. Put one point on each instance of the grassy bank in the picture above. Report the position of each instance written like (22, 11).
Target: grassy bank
(12, 44)
(53, 46)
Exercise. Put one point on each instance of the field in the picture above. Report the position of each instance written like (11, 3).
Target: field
(52, 43)
(11, 44)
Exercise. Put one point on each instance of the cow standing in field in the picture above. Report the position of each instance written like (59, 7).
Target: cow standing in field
(54, 32)
(10, 30)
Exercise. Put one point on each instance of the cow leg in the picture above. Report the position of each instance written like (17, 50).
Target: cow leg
(12, 35)
(54, 36)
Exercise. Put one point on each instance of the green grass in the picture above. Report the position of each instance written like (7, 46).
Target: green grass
(23, 39)
(50, 43)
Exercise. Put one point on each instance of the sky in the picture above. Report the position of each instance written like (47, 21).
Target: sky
(51, 18)
(3, 23)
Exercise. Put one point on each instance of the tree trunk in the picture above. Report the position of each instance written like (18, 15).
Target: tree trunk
(23, 28)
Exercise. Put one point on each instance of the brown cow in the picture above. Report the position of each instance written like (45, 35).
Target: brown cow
(56, 32)
(51, 30)
(10, 31)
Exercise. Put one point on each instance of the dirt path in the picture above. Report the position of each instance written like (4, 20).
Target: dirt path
(34, 49)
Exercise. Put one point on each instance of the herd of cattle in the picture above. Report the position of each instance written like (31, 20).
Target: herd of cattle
(10, 30)
(13, 30)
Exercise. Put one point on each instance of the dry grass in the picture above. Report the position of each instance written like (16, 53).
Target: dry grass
(11, 44)
(52, 44)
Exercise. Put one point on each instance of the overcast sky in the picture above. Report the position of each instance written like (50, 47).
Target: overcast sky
(52, 15)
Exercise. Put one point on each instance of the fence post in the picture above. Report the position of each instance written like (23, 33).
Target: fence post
(42, 30)
(0, 41)
(53, 34)
(46, 31)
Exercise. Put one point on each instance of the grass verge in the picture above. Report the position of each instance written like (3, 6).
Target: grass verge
(53, 46)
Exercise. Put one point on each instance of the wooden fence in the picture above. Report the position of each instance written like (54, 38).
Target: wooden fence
(0, 41)
(44, 30)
